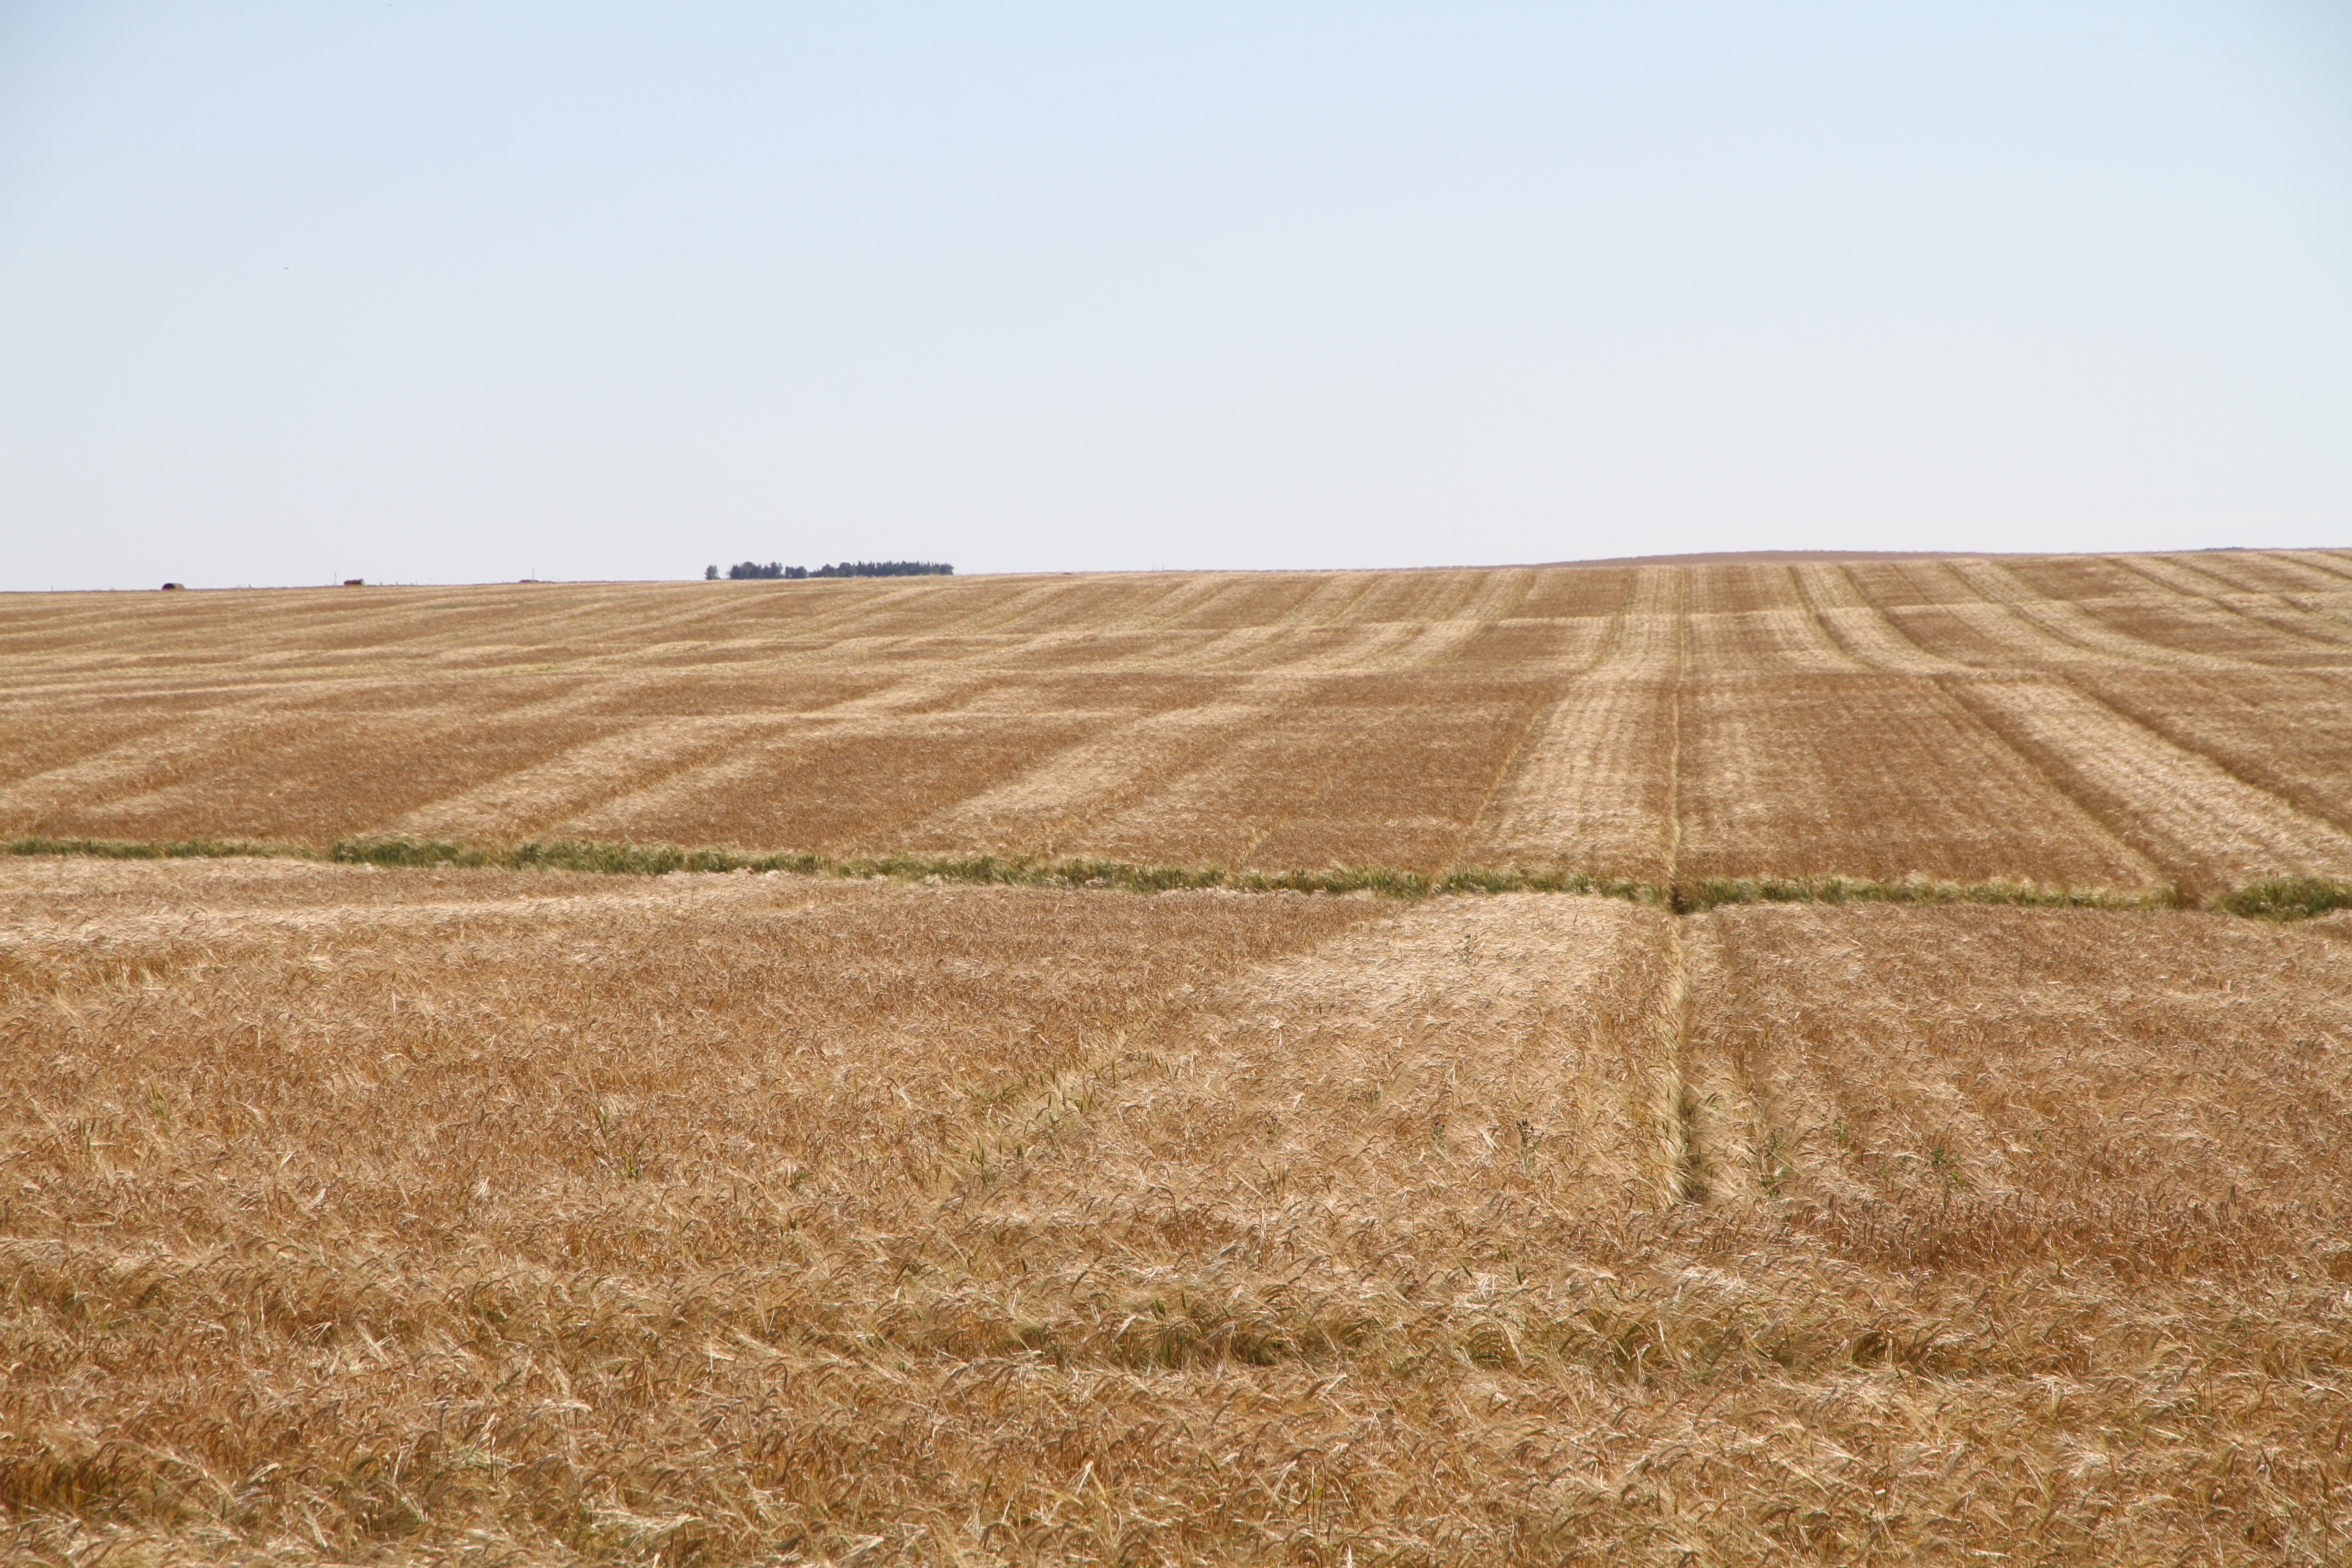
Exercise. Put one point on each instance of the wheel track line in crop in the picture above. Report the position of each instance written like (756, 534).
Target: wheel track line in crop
(1412, 595)
(1011, 604)
(1778, 642)
(1677, 1112)
(1674, 824)
(2311, 591)
(1676, 1109)
(1521, 586)
(1104, 622)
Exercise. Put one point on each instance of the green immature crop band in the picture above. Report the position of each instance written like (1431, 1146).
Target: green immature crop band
(2270, 897)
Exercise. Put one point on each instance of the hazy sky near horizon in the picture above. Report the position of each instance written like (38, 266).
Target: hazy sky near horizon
(425, 291)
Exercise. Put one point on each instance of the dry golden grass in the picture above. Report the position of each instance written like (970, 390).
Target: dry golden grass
(2140, 721)
(437, 1214)
(2071, 1059)
(423, 1215)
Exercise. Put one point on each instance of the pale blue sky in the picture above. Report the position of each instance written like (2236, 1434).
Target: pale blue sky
(457, 292)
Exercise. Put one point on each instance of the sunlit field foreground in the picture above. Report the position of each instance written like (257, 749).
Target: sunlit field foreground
(356, 1213)
(1626, 1066)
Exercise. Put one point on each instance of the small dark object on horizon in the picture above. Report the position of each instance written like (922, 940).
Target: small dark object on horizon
(749, 569)
(354, 581)
(169, 586)
(887, 569)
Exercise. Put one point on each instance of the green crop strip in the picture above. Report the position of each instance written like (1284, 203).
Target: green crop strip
(655, 860)
(1708, 894)
(2287, 898)
(2275, 897)
(639, 859)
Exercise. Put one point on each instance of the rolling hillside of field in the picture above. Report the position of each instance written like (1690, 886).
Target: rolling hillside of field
(355, 1211)
(2107, 721)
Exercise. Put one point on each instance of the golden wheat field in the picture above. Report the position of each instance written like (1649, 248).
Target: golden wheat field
(459, 1213)
(2130, 723)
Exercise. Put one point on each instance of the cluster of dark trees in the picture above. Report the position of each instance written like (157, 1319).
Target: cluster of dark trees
(744, 569)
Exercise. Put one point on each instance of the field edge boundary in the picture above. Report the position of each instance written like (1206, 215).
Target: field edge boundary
(2284, 897)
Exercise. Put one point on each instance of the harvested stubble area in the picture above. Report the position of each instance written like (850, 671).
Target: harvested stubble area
(2131, 723)
(355, 1213)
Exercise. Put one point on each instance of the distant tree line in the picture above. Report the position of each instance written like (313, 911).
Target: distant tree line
(746, 569)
